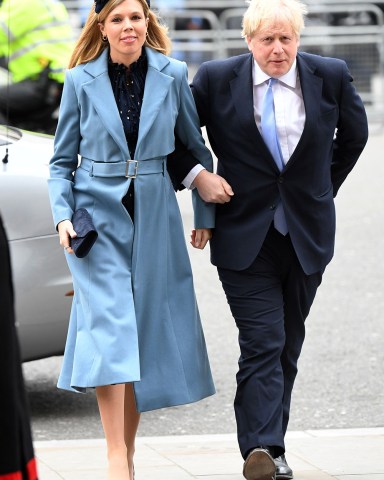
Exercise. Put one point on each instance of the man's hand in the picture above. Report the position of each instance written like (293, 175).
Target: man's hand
(212, 188)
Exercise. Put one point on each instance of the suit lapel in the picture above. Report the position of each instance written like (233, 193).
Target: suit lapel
(311, 87)
(242, 98)
(99, 92)
(242, 95)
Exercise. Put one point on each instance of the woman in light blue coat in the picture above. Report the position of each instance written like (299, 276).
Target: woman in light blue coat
(135, 332)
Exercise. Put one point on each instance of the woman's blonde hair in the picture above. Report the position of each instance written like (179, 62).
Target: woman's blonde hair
(90, 43)
(265, 11)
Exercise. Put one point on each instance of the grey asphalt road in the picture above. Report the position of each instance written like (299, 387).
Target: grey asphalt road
(340, 382)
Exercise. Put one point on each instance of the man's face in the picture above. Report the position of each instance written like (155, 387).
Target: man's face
(274, 47)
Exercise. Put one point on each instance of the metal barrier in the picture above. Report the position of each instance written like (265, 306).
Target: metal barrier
(353, 32)
(361, 46)
(195, 34)
(211, 29)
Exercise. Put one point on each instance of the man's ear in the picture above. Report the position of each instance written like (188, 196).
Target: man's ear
(248, 39)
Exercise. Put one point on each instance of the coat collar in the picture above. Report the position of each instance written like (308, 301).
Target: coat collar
(100, 93)
(99, 66)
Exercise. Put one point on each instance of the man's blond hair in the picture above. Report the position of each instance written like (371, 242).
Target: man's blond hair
(268, 11)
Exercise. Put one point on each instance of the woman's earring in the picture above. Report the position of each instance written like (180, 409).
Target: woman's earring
(104, 38)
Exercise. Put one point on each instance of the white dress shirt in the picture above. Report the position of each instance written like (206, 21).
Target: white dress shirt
(289, 106)
(187, 182)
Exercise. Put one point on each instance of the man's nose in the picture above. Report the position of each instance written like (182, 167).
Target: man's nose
(277, 47)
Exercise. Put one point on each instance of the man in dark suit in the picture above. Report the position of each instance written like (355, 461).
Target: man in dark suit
(274, 238)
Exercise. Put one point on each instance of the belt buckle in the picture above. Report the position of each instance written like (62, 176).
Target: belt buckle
(136, 166)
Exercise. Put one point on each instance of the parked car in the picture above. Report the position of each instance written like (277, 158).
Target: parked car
(42, 282)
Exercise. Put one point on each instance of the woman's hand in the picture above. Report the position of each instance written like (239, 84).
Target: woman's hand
(200, 237)
(66, 232)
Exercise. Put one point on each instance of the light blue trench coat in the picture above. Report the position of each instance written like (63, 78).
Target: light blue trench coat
(134, 316)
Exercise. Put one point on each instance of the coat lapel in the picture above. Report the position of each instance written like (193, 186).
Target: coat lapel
(100, 94)
(157, 85)
(99, 91)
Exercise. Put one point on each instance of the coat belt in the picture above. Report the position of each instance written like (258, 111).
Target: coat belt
(128, 169)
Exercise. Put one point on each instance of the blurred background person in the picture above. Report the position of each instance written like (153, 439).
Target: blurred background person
(36, 41)
(17, 460)
(195, 24)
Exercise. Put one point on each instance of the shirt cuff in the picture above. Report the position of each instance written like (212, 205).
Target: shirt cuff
(188, 180)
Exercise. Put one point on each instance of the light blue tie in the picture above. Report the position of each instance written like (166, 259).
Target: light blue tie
(269, 133)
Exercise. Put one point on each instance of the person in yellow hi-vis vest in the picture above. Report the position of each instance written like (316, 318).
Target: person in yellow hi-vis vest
(36, 41)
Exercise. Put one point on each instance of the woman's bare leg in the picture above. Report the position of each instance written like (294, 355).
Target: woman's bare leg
(131, 424)
(111, 401)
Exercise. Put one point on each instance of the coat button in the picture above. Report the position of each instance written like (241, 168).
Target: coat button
(280, 179)
(272, 207)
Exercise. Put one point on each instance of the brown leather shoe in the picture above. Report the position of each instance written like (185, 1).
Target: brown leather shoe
(283, 470)
(259, 465)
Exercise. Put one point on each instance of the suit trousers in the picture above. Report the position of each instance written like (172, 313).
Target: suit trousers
(269, 301)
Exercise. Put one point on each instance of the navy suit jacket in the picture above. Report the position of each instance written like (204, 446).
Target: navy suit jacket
(333, 138)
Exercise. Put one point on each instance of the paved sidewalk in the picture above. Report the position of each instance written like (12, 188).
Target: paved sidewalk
(356, 454)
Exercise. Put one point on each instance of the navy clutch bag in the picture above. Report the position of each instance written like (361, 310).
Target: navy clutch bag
(86, 233)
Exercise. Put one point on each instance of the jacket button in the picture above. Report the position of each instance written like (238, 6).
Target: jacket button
(272, 207)
(280, 179)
